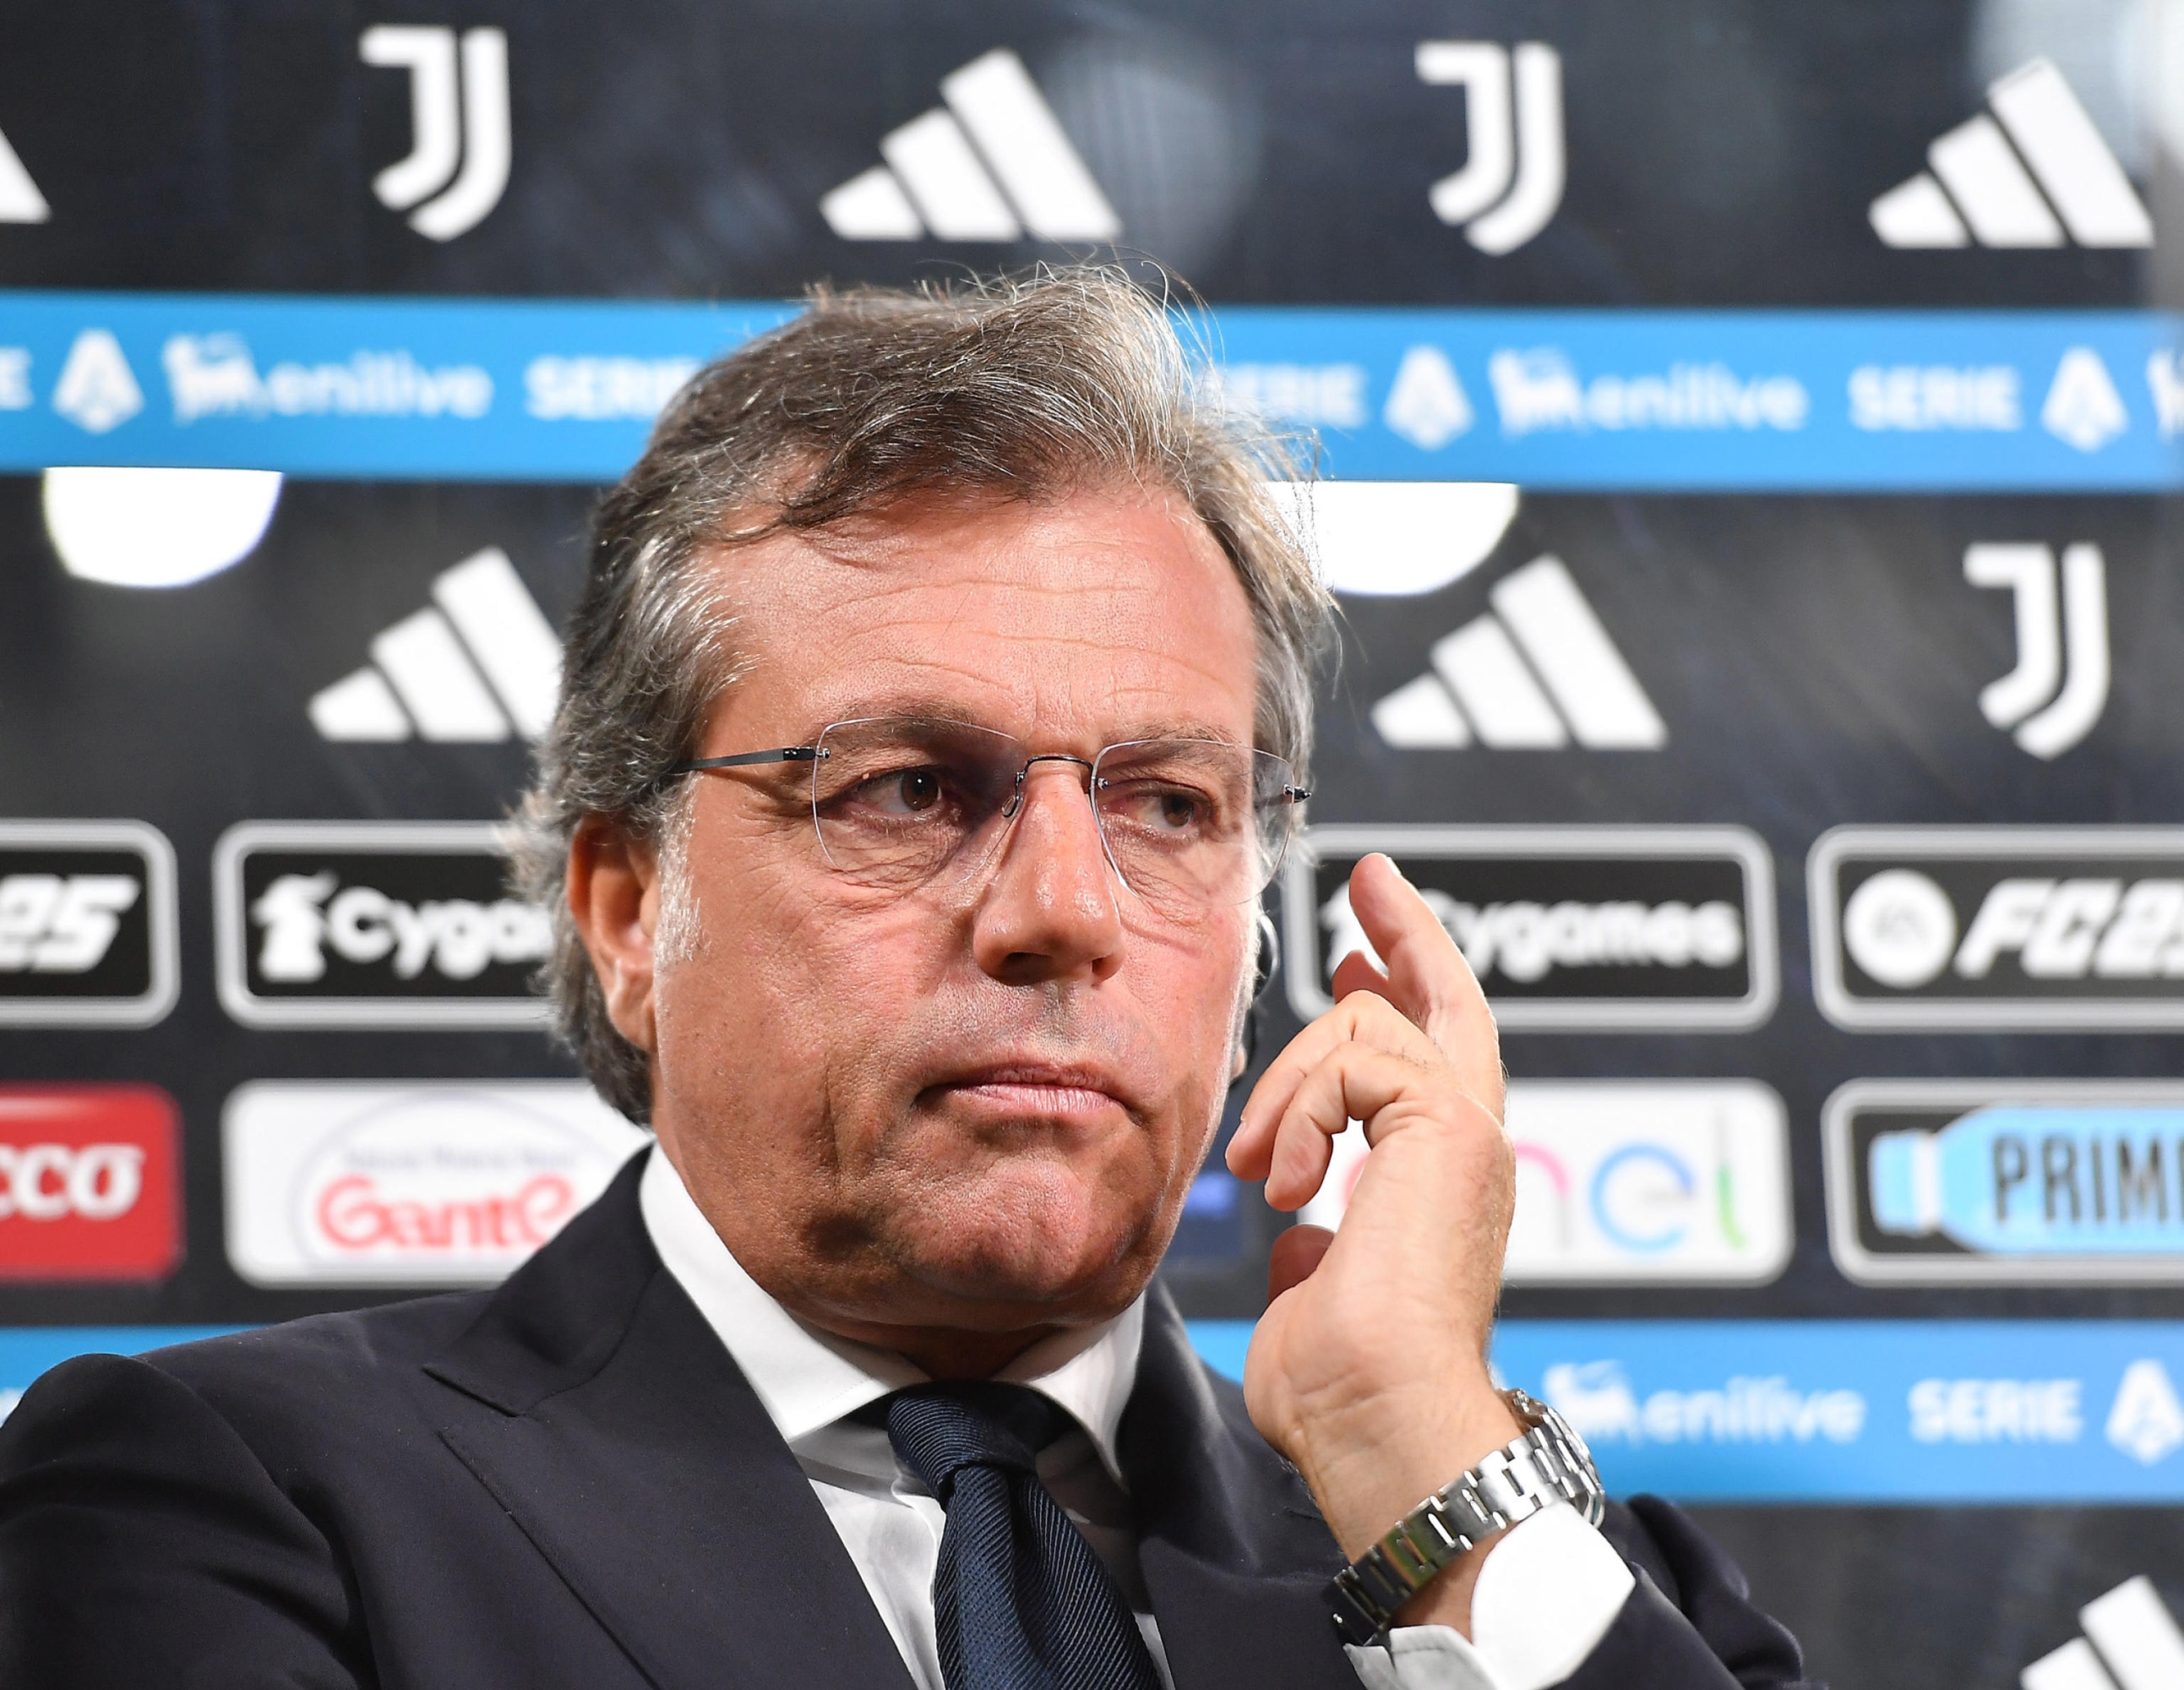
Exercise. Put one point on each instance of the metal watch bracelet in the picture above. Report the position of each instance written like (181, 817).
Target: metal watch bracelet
(1548, 1465)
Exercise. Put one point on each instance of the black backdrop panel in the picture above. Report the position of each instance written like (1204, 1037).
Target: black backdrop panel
(1720, 152)
(1777, 665)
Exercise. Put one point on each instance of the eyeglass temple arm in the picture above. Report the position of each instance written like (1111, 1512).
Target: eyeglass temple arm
(780, 754)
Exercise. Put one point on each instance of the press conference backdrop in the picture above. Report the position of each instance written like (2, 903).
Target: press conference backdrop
(1752, 443)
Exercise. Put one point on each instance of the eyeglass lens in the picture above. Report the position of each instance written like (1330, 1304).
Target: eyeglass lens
(1187, 823)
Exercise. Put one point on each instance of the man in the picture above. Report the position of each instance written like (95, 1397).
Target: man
(935, 714)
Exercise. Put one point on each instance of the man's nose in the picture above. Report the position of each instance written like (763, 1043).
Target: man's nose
(1050, 912)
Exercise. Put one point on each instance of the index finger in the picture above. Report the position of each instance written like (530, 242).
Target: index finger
(1428, 978)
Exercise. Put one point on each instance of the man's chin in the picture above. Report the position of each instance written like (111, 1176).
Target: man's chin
(1015, 1252)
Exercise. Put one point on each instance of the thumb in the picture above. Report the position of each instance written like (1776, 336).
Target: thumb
(1295, 1256)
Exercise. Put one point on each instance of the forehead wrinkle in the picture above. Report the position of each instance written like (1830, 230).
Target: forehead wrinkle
(1029, 653)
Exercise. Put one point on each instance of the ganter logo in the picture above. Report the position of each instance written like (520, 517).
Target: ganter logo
(1999, 927)
(992, 164)
(1979, 189)
(1512, 179)
(373, 924)
(1568, 929)
(471, 128)
(448, 1183)
(86, 925)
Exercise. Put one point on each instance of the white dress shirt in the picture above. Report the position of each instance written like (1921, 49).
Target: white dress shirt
(1544, 1596)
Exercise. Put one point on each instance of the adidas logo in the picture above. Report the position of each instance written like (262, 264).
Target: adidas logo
(1533, 674)
(479, 663)
(991, 163)
(1982, 186)
(21, 201)
(2131, 1642)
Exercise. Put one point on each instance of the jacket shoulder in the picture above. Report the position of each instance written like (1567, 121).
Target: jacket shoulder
(324, 1367)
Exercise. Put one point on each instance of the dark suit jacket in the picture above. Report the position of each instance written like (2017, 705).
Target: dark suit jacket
(566, 1482)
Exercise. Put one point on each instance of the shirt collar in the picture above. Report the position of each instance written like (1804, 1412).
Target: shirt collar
(808, 1380)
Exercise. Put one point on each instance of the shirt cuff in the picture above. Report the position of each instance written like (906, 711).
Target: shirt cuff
(1546, 1594)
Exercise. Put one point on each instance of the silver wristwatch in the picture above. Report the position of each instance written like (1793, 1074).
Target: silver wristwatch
(1548, 1465)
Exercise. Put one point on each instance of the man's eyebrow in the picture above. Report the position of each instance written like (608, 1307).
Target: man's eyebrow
(927, 708)
(1175, 729)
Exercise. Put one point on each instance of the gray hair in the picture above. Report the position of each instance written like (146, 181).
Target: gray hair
(1021, 388)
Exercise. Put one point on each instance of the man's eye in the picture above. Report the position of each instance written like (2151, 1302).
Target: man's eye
(1178, 810)
(908, 792)
(1162, 809)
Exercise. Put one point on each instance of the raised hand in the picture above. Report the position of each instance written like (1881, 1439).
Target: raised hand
(1368, 1368)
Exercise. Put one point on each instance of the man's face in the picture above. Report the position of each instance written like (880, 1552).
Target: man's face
(977, 1105)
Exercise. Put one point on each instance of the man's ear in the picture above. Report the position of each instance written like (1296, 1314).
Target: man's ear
(613, 896)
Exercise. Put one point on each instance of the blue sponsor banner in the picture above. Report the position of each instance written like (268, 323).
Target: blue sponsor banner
(1777, 1411)
(527, 390)
(1854, 1411)
(440, 389)
(26, 1352)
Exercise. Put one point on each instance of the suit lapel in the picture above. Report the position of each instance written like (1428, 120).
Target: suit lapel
(607, 1419)
(1234, 1552)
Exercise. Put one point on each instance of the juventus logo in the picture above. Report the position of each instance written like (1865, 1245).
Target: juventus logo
(1512, 179)
(448, 128)
(2051, 707)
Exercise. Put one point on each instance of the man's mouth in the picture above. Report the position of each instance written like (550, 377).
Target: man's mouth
(1033, 1088)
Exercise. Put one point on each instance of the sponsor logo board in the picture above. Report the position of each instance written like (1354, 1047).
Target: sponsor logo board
(1997, 927)
(1630, 1182)
(90, 1182)
(1648, 1181)
(1569, 928)
(373, 924)
(448, 1182)
(2011, 1182)
(88, 924)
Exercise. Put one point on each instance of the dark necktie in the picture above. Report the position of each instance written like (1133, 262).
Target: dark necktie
(1019, 1600)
